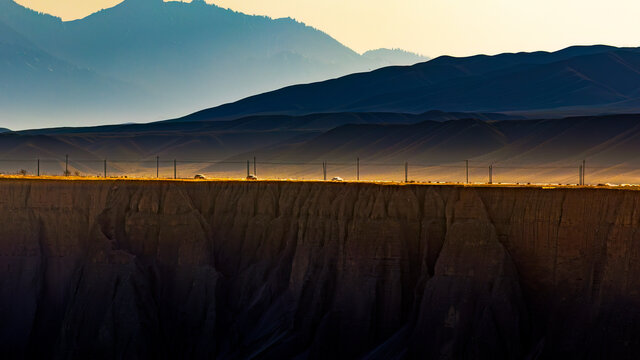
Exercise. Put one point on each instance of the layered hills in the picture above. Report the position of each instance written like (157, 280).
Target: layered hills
(198, 139)
(435, 144)
(229, 270)
(149, 60)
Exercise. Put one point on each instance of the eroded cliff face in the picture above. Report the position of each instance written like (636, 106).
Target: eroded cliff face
(230, 270)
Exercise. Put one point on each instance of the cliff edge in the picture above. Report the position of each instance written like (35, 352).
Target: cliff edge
(233, 270)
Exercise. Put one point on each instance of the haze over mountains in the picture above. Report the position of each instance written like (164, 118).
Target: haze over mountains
(378, 117)
(147, 59)
(37, 86)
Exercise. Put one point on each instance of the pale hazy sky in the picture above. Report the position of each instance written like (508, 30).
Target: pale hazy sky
(435, 27)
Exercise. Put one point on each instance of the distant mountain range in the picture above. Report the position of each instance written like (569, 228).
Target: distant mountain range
(573, 81)
(147, 59)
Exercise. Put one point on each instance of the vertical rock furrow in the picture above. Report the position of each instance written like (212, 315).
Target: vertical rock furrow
(472, 307)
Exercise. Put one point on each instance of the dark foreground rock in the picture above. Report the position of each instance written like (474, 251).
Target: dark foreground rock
(234, 270)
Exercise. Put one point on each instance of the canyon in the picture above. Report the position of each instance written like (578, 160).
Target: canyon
(271, 269)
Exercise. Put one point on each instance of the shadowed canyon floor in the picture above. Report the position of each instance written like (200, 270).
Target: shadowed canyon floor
(233, 270)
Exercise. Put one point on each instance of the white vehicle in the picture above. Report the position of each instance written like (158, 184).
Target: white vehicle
(337, 178)
(252, 177)
(199, 177)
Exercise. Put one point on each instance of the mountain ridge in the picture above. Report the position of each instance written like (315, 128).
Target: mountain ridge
(580, 76)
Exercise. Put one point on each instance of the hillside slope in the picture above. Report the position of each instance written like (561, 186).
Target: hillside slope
(591, 79)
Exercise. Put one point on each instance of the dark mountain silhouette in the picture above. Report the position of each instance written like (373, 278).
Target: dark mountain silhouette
(176, 57)
(197, 139)
(606, 139)
(578, 79)
(314, 122)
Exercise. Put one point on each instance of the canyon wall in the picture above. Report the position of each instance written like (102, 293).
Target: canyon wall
(234, 270)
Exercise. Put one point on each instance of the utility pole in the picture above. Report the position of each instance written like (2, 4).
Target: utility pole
(66, 165)
(255, 168)
(580, 175)
(584, 167)
(466, 162)
(105, 168)
(490, 174)
(157, 167)
(248, 169)
(406, 171)
(175, 169)
(358, 169)
(324, 170)
(38, 166)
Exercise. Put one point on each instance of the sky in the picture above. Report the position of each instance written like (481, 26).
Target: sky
(434, 27)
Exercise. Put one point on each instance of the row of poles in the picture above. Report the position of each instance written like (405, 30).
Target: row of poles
(581, 169)
(175, 167)
(67, 173)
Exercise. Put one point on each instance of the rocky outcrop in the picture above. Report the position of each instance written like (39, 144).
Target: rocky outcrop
(232, 270)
